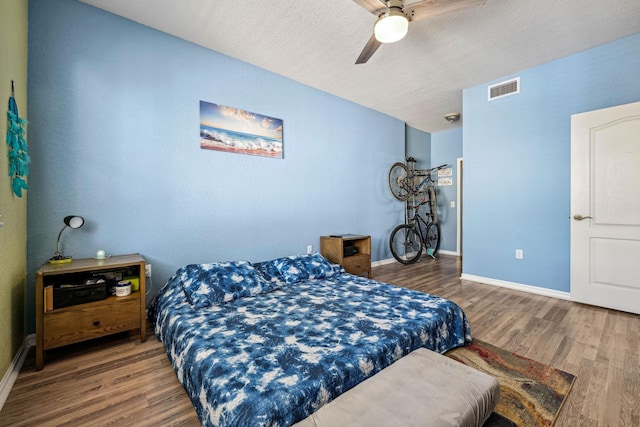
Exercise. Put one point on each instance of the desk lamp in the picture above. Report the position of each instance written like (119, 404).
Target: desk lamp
(72, 221)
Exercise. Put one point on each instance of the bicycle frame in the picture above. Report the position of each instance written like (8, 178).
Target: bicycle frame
(424, 181)
(418, 223)
(428, 178)
(416, 220)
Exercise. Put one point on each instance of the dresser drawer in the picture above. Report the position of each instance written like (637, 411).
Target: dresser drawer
(360, 264)
(92, 320)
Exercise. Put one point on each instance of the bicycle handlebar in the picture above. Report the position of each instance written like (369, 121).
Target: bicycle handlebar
(411, 159)
(437, 167)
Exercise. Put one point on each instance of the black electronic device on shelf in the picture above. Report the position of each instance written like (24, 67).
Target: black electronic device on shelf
(349, 250)
(89, 290)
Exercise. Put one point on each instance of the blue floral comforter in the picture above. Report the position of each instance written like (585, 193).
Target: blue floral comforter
(274, 351)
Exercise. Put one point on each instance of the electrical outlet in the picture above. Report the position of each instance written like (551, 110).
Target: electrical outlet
(147, 270)
(519, 254)
(309, 249)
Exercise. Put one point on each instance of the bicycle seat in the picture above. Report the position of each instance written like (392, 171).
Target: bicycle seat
(411, 160)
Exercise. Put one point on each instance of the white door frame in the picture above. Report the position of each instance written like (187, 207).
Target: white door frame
(459, 207)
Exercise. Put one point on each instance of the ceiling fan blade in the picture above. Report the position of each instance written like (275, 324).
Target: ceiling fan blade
(427, 8)
(372, 45)
(374, 6)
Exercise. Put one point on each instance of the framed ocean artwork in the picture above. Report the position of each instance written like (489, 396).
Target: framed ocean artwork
(238, 131)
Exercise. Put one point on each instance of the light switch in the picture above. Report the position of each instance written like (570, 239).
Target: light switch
(453, 203)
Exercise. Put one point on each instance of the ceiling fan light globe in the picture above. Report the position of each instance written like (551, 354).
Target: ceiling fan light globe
(391, 27)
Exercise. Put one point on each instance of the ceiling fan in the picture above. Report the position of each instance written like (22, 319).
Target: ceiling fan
(394, 17)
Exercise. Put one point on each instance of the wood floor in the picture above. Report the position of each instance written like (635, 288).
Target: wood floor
(119, 381)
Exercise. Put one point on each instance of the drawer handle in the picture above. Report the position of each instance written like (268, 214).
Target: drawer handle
(96, 322)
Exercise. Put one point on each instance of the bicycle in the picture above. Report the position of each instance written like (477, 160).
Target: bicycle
(402, 183)
(407, 241)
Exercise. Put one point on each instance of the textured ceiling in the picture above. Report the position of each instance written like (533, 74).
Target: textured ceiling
(418, 79)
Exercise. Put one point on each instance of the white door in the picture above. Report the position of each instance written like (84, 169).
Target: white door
(605, 207)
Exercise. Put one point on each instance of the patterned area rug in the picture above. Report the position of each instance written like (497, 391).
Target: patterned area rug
(531, 393)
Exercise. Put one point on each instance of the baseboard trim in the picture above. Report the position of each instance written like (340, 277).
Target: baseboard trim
(383, 262)
(392, 260)
(518, 286)
(14, 369)
(443, 252)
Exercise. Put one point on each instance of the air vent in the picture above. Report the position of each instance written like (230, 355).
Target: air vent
(507, 88)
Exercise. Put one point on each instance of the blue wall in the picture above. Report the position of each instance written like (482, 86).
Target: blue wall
(418, 145)
(446, 148)
(114, 136)
(517, 162)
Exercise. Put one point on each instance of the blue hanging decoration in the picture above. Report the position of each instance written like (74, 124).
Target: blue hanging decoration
(18, 155)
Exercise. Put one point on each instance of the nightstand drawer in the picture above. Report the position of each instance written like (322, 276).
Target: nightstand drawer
(360, 265)
(86, 321)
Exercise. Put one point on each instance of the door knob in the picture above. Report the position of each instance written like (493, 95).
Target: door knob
(579, 217)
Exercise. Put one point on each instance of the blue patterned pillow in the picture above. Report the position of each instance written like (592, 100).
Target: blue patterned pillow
(208, 284)
(269, 272)
(297, 268)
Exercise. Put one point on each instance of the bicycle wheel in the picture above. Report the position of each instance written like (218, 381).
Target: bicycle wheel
(433, 204)
(432, 239)
(406, 244)
(399, 181)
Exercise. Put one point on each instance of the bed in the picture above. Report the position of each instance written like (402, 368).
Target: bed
(268, 344)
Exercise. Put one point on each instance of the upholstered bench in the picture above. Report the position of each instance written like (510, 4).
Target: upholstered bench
(423, 388)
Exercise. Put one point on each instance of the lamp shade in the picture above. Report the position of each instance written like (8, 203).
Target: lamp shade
(391, 27)
(74, 221)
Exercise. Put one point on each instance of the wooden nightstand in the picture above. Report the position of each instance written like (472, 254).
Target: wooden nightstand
(57, 327)
(337, 250)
